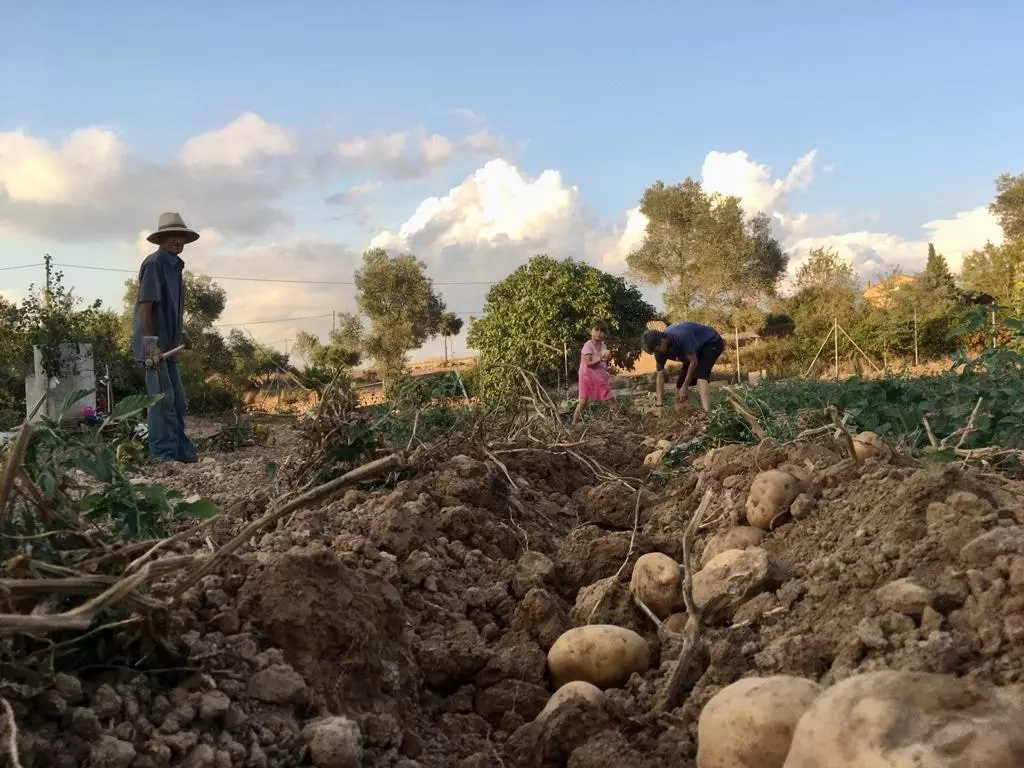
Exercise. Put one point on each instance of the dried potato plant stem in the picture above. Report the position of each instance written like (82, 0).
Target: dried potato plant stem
(81, 617)
(691, 632)
(834, 413)
(740, 407)
(14, 459)
(11, 746)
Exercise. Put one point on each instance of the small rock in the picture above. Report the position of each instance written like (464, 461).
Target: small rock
(203, 756)
(802, 506)
(533, 569)
(85, 723)
(52, 704)
(869, 632)
(112, 753)
(334, 742)
(227, 622)
(279, 684)
(106, 703)
(729, 580)
(182, 741)
(213, 705)
(931, 621)
(70, 688)
(905, 596)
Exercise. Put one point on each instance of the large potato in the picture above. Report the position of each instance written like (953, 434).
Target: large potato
(770, 495)
(738, 537)
(601, 654)
(576, 690)
(750, 723)
(911, 720)
(868, 445)
(657, 580)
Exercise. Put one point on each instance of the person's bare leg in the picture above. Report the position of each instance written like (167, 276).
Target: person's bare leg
(579, 410)
(704, 387)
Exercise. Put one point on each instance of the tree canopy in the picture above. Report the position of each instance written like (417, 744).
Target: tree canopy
(451, 325)
(399, 299)
(547, 305)
(342, 350)
(708, 254)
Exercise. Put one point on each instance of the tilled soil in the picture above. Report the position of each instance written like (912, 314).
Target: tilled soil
(409, 626)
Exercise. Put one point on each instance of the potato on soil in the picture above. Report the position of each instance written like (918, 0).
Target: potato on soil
(658, 581)
(601, 654)
(654, 458)
(574, 691)
(771, 493)
(903, 719)
(750, 723)
(868, 445)
(738, 537)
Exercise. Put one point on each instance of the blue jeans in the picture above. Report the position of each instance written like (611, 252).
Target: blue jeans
(166, 419)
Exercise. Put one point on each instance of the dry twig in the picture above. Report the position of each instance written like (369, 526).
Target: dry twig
(12, 734)
(691, 632)
(740, 408)
(841, 426)
(82, 616)
(14, 459)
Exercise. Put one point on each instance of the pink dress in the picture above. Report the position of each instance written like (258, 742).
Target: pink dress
(594, 381)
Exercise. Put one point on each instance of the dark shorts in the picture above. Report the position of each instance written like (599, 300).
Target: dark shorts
(707, 356)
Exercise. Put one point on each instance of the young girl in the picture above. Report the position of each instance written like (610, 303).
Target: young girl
(595, 384)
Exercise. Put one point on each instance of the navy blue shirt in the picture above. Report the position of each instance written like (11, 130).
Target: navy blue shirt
(684, 339)
(162, 282)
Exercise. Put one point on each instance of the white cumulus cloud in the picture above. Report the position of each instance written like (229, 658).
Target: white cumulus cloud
(239, 143)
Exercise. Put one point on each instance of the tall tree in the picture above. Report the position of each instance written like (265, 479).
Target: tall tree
(205, 301)
(997, 270)
(936, 278)
(404, 311)
(826, 288)
(704, 250)
(451, 325)
(1008, 206)
(546, 306)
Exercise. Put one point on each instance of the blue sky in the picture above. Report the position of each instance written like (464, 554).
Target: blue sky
(914, 106)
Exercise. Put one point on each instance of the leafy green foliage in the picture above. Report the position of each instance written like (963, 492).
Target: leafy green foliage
(710, 256)
(451, 325)
(896, 407)
(119, 506)
(546, 307)
(342, 350)
(404, 311)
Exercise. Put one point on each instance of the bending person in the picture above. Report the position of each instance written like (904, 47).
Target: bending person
(697, 347)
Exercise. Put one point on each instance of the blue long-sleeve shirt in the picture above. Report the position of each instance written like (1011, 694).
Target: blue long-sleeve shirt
(162, 282)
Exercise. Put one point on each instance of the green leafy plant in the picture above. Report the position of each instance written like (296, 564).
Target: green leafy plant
(121, 507)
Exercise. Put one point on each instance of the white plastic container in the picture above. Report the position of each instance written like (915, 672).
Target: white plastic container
(77, 373)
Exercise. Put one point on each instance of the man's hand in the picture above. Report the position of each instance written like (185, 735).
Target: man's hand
(186, 341)
(682, 395)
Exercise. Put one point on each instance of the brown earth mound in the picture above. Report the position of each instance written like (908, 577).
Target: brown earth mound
(409, 626)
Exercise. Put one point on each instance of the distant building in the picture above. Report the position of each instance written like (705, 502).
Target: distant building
(880, 294)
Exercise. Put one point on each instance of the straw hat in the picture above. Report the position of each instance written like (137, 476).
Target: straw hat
(172, 222)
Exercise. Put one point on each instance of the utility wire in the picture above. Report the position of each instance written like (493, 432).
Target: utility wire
(253, 279)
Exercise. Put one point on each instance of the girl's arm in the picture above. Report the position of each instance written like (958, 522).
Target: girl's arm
(589, 361)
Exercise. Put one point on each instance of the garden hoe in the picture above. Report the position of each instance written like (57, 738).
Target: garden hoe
(154, 360)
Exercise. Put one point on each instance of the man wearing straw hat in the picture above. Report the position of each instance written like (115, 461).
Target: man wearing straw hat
(158, 335)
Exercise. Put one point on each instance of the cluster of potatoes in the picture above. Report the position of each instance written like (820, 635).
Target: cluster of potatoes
(888, 719)
(885, 719)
